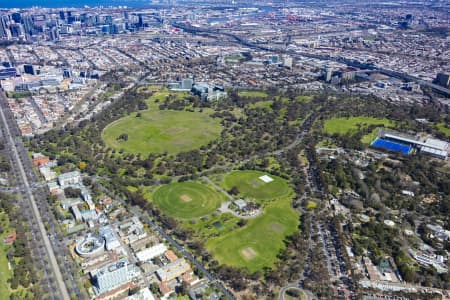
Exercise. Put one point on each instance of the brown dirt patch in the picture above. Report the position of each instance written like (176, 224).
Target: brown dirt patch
(185, 198)
(248, 253)
(175, 130)
(276, 227)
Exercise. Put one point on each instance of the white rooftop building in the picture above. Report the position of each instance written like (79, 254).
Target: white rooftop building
(144, 294)
(111, 241)
(151, 252)
(70, 178)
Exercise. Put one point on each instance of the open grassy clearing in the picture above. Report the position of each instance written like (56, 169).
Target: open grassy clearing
(350, 125)
(158, 97)
(186, 200)
(443, 129)
(311, 205)
(160, 131)
(304, 98)
(257, 244)
(250, 186)
(370, 137)
(262, 104)
(5, 273)
(253, 94)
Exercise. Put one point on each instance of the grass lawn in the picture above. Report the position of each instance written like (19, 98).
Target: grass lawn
(443, 129)
(158, 97)
(311, 205)
(250, 186)
(253, 94)
(370, 137)
(262, 104)
(350, 125)
(186, 200)
(160, 131)
(5, 273)
(304, 98)
(257, 244)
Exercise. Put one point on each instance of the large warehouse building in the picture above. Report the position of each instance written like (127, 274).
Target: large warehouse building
(404, 144)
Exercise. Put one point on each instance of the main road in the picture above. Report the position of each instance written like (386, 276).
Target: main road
(28, 191)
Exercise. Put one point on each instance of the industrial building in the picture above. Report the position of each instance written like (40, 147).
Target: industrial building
(405, 144)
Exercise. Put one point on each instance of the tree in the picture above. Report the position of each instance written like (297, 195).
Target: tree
(123, 137)
(234, 190)
(183, 288)
(154, 288)
(71, 192)
(82, 165)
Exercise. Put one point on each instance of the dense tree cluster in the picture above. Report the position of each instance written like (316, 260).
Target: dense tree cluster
(19, 256)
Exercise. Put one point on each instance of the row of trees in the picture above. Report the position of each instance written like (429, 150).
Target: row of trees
(19, 256)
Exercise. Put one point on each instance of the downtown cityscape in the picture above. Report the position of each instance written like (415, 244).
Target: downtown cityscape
(231, 149)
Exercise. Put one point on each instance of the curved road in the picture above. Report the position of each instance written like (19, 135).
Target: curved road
(308, 295)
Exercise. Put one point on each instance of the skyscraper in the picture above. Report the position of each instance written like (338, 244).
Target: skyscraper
(28, 69)
(4, 30)
(17, 30)
(16, 17)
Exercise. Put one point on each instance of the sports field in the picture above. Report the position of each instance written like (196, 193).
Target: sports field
(350, 125)
(187, 200)
(250, 186)
(159, 131)
(256, 245)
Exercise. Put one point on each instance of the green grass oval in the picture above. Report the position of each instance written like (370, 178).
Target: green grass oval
(186, 200)
(250, 186)
(256, 245)
(159, 131)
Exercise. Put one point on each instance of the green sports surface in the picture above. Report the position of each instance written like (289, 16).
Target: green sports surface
(160, 131)
(187, 200)
(350, 125)
(257, 244)
(250, 186)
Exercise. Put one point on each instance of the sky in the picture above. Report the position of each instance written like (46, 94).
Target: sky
(71, 3)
